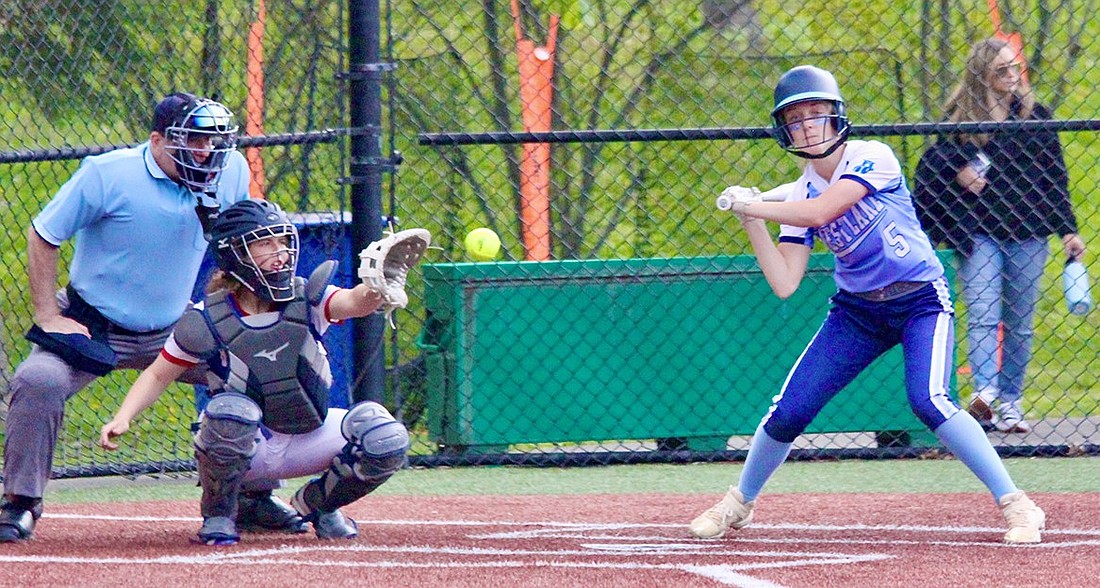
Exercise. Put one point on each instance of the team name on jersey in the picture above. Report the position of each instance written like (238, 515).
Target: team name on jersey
(844, 234)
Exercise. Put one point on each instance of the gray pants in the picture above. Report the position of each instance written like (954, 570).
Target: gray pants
(39, 389)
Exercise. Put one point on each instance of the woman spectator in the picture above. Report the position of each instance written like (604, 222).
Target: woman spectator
(996, 198)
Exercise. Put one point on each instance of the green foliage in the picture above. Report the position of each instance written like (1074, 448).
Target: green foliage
(654, 65)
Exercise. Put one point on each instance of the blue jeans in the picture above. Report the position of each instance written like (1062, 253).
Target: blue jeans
(1001, 285)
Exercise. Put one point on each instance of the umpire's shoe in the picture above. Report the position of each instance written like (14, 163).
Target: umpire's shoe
(262, 511)
(18, 515)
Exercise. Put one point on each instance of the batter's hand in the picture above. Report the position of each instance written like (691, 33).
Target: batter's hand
(734, 194)
(1074, 246)
(110, 431)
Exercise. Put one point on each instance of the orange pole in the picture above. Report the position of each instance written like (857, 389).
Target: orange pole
(1016, 40)
(536, 74)
(995, 16)
(254, 106)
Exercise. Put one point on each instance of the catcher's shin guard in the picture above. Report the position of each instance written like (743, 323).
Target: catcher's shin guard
(217, 531)
(375, 451)
(224, 447)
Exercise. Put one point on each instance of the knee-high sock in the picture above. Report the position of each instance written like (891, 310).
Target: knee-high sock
(964, 437)
(765, 456)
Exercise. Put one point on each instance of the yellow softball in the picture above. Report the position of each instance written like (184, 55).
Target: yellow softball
(482, 244)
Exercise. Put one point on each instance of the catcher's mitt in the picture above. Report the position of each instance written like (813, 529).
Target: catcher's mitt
(385, 264)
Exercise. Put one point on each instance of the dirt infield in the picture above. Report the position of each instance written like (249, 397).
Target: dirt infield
(799, 540)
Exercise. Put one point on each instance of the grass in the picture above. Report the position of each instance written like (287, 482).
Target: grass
(1080, 474)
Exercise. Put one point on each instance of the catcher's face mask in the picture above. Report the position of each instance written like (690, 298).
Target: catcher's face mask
(265, 260)
(255, 242)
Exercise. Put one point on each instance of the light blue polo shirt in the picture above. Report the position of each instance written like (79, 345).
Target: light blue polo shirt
(138, 242)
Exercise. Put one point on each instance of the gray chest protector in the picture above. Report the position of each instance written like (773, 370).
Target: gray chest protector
(282, 366)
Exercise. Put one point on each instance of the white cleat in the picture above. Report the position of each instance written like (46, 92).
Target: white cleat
(1009, 418)
(1025, 519)
(731, 511)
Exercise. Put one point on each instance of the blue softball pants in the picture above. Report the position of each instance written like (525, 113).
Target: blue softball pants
(855, 333)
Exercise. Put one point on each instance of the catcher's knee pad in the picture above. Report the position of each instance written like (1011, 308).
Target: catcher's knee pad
(376, 440)
(226, 440)
(375, 451)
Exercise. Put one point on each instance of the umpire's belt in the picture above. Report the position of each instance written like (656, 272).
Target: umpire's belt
(80, 311)
(890, 292)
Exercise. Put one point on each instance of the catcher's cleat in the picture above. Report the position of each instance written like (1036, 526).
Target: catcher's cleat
(18, 515)
(334, 525)
(217, 531)
(731, 511)
(1025, 519)
(262, 511)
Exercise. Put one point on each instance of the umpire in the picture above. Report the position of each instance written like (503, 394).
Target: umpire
(134, 215)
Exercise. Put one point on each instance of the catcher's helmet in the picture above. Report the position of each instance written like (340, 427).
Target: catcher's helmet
(193, 126)
(244, 223)
(803, 84)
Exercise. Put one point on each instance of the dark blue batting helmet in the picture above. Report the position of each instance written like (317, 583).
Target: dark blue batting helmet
(803, 84)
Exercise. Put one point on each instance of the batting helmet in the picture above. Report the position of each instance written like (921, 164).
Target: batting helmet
(200, 134)
(803, 84)
(244, 223)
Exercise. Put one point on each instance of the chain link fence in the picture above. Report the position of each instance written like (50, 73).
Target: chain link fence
(625, 319)
(83, 77)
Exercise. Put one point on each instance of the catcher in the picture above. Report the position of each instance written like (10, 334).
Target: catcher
(259, 331)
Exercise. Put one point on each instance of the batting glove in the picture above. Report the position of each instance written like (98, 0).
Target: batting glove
(737, 194)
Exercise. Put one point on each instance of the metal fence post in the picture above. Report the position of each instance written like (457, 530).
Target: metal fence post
(365, 103)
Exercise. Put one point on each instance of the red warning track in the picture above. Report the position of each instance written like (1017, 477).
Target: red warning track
(798, 540)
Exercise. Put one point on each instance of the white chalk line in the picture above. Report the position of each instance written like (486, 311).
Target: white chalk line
(727, 574)
(550, 527)
(595, 543)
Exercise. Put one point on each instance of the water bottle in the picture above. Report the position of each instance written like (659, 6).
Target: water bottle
(1076, 283)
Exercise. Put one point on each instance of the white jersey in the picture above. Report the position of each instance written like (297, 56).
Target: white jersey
(879, 240)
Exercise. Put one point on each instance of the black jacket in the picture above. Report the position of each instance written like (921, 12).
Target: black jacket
(1027, 195)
